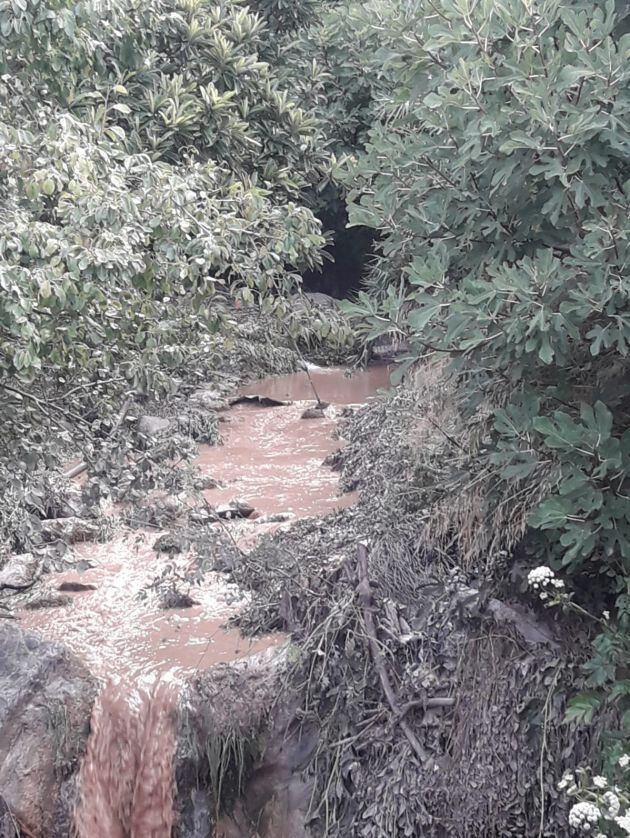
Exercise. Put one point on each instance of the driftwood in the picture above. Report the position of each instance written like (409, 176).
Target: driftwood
(75, 471)
(367, 606)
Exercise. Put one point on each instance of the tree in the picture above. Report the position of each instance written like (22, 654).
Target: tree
(498, 176)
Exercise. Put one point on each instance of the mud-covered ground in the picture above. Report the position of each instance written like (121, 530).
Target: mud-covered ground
(438, 694)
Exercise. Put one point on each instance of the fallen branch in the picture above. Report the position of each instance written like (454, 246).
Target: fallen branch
(426, 704)
(365, 600)
(75, 471)
(45, 406)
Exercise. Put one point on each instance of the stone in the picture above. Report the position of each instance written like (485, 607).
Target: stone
(201, 516)
(46, 697)
(209, 400)
(20, 572)
(160, 509)
(72, 504)
(48, 600)
(263, 401)
(313, 298)
(204, 482)
(234, 509)
(316, 412)
(153, 425)
(71, 530)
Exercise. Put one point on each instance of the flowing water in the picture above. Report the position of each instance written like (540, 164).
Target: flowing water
(271, 458)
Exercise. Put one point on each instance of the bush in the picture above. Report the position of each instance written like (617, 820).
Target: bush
(497, 174)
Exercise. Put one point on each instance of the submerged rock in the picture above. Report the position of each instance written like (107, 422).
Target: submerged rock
(48, 600)
(234, 509)
(46, 697)
(76, 587)
(275, 518)
(170, 542)
(317, 412)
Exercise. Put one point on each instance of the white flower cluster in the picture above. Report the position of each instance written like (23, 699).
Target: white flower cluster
(543, 577)
(624, 760)
(567, 782)
(584, 816)
(611, 803)
(624, 822)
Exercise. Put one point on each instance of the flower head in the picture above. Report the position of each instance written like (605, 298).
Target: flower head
(624, 760)
(584, 816)
(623, 822)
(567, 780)
(600, 782)
(540, 576)
(611, 803)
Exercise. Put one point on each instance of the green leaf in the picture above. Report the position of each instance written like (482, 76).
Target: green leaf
(552, 513)
(581, 709)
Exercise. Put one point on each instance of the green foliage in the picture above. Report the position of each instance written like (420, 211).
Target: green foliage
(155, 167)
(497, 174)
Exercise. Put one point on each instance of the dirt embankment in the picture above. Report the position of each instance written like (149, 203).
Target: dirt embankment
(437, 691)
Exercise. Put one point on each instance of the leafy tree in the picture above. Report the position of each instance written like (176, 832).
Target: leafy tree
(155, 166)
(497, 174)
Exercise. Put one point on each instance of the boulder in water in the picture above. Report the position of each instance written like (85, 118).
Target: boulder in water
(46, 698)
(234, 509)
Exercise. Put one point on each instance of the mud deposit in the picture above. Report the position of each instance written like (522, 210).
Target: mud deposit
(272, 458)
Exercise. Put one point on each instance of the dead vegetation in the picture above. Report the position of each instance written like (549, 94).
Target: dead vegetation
(439, 699)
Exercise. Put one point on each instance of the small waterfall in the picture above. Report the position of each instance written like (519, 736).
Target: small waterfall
(126, 786)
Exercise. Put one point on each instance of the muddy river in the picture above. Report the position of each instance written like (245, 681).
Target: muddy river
(270, 458)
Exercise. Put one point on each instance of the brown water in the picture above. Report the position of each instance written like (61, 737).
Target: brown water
(271, 458)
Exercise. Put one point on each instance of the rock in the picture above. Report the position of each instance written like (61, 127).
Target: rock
(72, 504)
(48, 600)
(247, 700)
(202, 516)
(46, 698)
(8, 826)
(234, 509)
(316, 412)
(204, 482)
(58, 558)
(531, 629)
(263, 401)
(160, 509)
(153, 425)
(71, 530)
(20, 572)
(209, 400)
(174, 598)
(313, 298)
